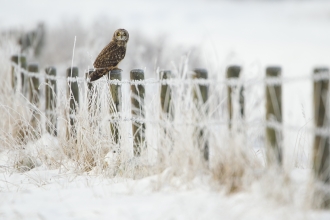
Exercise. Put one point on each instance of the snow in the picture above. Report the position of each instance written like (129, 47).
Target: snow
(45, 194)
(254, 34)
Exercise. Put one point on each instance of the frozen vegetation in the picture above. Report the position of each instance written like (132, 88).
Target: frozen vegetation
(92, 177)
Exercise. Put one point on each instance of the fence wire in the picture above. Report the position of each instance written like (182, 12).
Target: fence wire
(181, 81)
(325, 131)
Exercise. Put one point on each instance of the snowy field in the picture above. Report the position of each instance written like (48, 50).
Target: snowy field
(45, 194)
(166, 34)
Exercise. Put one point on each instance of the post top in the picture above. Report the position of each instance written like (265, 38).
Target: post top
(165, 74)
(233, 71)
(137, 71)
(235, 67)
(50, 70)
(273, 71)
(116, 71)
(321, 70)
(137, 74)
(200, 73)
(165, 71)
(33, 67)
(74, 71)
(115, 74)
(14, 58)
(19, 59)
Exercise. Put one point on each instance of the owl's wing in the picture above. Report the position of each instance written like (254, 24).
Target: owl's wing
(98, 73)
(110, 56)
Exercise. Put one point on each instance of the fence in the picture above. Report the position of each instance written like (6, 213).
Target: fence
(273, 90)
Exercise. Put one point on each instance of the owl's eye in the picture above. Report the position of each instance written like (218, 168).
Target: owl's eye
(118, 34)
(124, 34)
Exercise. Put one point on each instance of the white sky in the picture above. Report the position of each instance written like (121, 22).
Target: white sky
(292, 33)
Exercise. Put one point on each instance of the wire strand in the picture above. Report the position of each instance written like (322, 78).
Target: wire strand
(176, 82)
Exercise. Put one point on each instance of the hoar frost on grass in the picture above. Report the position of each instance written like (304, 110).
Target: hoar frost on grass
(90, 176)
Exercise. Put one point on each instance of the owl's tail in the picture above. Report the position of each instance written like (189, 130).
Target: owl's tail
(98, 73)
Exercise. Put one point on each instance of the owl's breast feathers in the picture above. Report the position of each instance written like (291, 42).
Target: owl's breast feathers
(108, 59)
(110, 56)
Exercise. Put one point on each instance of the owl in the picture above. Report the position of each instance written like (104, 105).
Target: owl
(111, 55)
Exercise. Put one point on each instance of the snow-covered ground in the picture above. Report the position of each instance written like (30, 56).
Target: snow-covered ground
(253, 34)
(45, 194)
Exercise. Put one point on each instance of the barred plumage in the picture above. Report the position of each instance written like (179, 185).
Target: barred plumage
(111, 55)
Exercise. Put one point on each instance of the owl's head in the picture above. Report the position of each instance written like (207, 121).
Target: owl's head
(121, 35)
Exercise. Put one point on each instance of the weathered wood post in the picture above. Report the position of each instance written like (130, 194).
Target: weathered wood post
(201, 96)
(73, 93)
(138, 111)
(273, 114)
(234, 72)
(166, 115)
(242, 102)
(21, 62)
(51, 93)
(93, 104)
(115, 106)
(90, 87)
(321, 149)
(166, 94)
(33, 84)
(34, 93)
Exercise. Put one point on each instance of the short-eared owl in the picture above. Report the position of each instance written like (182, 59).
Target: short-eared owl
(111, 55)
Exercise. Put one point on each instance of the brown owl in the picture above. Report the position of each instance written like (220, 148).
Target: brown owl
(111, 55)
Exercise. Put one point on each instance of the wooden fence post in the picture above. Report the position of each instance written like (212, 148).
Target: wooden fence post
(93, 104)
(115, 107)
(201, 96)
(34, 93)
(273, 114)
(166, 94)
(138, 111)
(321, 154)
(89, 92)
(33, 84)
(20, 61)
(234, 72)
(73, 93)
(242, 102)
(92, 98)
(51, 92)
(166, 114)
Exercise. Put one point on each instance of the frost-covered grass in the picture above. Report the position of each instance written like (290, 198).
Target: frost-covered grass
(91, 177)
(92, 171)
